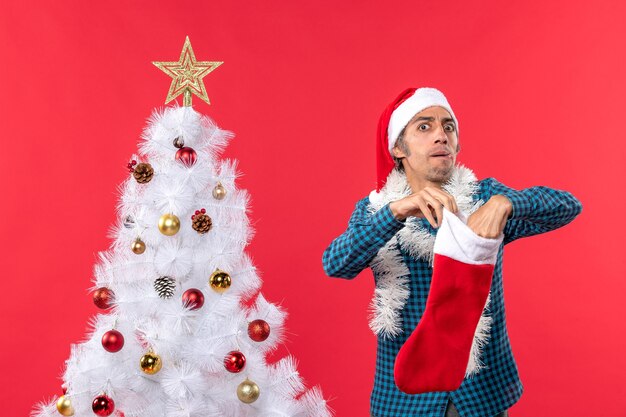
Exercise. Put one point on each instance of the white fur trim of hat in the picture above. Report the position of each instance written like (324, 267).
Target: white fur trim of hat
(423, 98)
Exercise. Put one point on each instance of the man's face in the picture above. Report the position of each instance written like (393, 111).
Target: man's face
(430, 145)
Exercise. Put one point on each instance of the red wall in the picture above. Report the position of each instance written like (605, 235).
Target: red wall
(538, 89)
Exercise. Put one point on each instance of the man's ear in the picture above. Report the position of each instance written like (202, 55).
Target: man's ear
(397, 152)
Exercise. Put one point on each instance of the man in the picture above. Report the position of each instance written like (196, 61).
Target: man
(393, 231)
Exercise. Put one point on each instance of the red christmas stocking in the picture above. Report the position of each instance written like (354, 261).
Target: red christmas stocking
(437, 354)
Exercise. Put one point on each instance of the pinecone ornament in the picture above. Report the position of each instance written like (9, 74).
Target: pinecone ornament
(143, 172)
(165, 286)
(201, 221)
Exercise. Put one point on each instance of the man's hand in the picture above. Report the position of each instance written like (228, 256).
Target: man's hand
(489, 220)
(428, 202)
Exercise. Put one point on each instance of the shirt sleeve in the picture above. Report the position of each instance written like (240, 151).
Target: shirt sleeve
(352, 251)
(536, 209)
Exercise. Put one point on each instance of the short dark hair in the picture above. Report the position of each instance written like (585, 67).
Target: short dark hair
(400, 143)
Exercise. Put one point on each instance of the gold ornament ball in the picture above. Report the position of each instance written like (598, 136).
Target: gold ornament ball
(64, 406)
(150, 363)
(138, 246)
(169, 224)
(219, 192)
(248, 392)
(220, 281)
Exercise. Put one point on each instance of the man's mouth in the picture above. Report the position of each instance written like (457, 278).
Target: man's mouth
(441, 155)
(441, 152)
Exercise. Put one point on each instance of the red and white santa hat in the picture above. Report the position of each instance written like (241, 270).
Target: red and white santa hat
(395, 118)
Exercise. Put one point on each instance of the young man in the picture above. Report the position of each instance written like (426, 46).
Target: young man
(394, 230)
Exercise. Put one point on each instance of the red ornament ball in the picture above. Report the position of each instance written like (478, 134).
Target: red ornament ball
(112, 341)
(103, 405)
(186, 155)
(234, 361)
(103, 298)
(258, 330)
(193, 298)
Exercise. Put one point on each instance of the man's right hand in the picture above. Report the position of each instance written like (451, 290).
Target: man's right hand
(428, 203)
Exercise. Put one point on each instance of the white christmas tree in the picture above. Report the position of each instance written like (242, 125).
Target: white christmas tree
(184, 330)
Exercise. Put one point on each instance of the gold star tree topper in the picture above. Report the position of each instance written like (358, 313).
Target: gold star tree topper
(187, 75)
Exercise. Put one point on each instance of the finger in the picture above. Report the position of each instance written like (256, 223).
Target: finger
(425, 209)
(456, 207)
(436, 205)
(475, 223)
(434, 208)
(446, 199)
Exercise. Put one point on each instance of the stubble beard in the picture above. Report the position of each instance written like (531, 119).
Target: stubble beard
(439, 175)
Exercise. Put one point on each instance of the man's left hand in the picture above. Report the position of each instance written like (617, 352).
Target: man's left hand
(489, 220)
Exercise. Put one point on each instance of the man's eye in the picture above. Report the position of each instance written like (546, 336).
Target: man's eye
(451, 127)
(422, 125)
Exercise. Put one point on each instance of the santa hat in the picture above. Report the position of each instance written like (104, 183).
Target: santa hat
(395, 118)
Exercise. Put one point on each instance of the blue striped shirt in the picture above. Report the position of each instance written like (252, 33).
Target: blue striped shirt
(496, 387)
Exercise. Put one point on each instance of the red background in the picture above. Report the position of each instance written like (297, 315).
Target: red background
(538, 89)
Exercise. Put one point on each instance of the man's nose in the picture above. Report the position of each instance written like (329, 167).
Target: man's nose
(441, 136)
